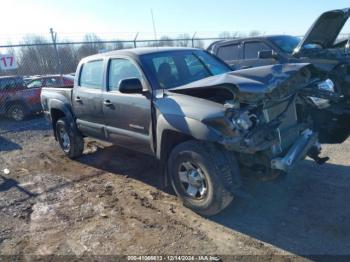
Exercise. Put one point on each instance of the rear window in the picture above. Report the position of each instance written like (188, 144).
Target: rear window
(229, 52)
(92, 74)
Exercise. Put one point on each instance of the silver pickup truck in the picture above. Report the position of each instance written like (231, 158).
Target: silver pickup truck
(190, 111)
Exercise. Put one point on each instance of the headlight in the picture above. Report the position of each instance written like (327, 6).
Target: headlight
(244, 121)
(327, 85)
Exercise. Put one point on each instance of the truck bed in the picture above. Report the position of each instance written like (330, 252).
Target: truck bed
(62, 94)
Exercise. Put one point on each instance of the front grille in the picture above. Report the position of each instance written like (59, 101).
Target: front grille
(288, 131)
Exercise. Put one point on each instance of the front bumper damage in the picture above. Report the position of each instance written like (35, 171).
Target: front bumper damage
(298, 151)
(279, 144)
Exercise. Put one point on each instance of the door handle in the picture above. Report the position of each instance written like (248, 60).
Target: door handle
(78, 99)
(246, 67)
(107, 103)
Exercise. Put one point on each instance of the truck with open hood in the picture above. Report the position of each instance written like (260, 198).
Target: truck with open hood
(323, 47)
(186, 108)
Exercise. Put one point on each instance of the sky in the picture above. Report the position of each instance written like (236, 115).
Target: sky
(123, 18)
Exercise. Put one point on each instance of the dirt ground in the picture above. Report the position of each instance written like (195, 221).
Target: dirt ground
(110, 201)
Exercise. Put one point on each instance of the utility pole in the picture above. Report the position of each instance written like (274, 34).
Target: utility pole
(194, 35)
(59, 64)
(154, 27)
(135, 39)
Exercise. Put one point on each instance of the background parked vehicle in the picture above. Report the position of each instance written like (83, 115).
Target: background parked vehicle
(17, 100)
(51, 81)
(321, 47)
(186, 108)
(251, 52)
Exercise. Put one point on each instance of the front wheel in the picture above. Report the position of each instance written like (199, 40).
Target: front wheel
(70, 140)
(200, 176)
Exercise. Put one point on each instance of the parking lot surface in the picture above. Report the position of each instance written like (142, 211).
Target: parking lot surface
(110, 201)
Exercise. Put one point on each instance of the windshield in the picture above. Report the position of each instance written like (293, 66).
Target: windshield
(176, 68)
(286, 43)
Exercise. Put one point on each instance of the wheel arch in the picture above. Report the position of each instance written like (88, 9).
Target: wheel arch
(174, 129)
(58, 109)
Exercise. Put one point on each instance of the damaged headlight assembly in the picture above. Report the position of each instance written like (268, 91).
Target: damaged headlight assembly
(328, 86)
(244, 121)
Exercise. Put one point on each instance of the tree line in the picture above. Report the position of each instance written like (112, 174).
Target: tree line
(37, 55)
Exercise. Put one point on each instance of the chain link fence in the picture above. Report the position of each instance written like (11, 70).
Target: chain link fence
(38, 61)
(63, 57)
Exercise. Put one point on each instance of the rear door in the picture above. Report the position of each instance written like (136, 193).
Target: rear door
(231, 54)
(127, 116)
(251, 54)
(87, 99)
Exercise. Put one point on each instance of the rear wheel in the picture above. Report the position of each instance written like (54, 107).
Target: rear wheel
(70, 140)
(17, 112)
(200, 178)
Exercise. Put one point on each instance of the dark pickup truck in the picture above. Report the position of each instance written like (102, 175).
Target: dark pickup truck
(322, 47)
(17, 100)
(189, 110)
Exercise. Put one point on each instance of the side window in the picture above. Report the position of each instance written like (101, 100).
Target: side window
(35, 83)
(53, 82)
(120, 69)
(229, 52)
(251, 50)
(92, 75)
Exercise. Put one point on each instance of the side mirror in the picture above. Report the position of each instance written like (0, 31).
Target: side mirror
(130, 86)
(267, 54)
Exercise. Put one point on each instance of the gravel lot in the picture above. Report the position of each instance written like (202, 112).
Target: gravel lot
(110, 202)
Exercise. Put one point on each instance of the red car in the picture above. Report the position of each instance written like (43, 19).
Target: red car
(17, 100)
(51, 81)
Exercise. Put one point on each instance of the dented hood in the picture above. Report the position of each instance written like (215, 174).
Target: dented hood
(326, 29)
(257, 80)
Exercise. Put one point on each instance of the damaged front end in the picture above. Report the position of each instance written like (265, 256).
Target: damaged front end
(325, 48)
(271, 137)
(262, 123)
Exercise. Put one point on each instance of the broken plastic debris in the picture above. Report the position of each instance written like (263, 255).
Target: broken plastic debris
(6, 171)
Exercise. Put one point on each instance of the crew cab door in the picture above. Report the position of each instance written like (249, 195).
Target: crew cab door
(231, 54)
(127, 116)
(251, 55)
(87, 99)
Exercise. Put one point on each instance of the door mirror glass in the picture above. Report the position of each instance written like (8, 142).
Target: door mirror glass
(130, 86)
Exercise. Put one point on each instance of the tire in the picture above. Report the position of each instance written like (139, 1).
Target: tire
(214, 174)
(17, 112)
(69, 138)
